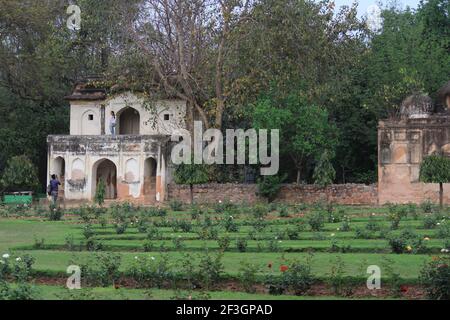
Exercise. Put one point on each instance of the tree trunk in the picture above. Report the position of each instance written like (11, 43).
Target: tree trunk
(298, 176)
(441, 195)
(191, 189)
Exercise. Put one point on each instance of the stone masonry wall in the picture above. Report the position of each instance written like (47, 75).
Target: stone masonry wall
(355, 194)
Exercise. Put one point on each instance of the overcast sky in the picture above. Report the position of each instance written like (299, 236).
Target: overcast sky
(364, 4)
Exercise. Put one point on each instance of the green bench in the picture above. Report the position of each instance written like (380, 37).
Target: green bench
(25, 197)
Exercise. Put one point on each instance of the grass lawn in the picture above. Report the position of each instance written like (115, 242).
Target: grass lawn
(46, 242)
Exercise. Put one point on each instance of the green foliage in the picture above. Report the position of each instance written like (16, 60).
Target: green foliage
(191, 174)
(55, 213)
(316, 221)
(269, 186)
(151, 271)
(341, 284)
(210, 269)
(324, 173)
(298, 277)
(406, 242)
(435, 169)
(101, 269)
(241, 244)
(248, 276)
(176, 205)
(306, 131)
(435, 277)
(19, 175)
(99, 197)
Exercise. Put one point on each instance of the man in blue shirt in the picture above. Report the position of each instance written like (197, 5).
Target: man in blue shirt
(54, 183)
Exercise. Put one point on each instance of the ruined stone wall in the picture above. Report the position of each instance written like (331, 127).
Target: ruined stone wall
(402, 146)
(350, 194)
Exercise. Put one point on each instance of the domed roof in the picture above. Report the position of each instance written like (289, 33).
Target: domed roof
(416, 106)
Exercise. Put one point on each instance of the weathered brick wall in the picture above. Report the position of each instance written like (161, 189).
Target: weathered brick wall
(291, 193)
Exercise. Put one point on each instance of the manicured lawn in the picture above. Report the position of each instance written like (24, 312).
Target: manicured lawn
(46, 242)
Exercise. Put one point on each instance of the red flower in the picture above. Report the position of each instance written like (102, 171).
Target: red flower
(283, 268)
(404, 289)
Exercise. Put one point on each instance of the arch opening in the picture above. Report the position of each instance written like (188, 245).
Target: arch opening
(59, 169)
(107, 171)
(128, 121)
(150, 167)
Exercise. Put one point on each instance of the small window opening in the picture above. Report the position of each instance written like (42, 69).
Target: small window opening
(166, 117)
(91, 117)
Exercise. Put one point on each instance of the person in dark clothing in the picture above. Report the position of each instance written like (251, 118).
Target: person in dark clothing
(54, 183)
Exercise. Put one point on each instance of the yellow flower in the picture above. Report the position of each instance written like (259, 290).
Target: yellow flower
(426, 239)
(408, 248)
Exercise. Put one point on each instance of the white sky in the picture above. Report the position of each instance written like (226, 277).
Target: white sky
(364, 4)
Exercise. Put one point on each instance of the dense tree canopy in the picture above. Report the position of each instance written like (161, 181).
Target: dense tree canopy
(233, 61)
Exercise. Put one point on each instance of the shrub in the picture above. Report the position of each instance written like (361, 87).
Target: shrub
(345, 224)
(316, 221)
(247, 276)
(334, 217)
(341, 284)
(225, 206)
(99, 197)
(443, 230)
(273, 245)
(412, 211)
(121, 228)
(151, 272)
(224, 243)
(241, 244)
(196, 212)
(148, 246)
(396, 213)
(19, 174)
(70, 242)
(427, 206)
(373, 225)
(178, 243)
(142, 226)
(21, 291)
(155, 212)
(435, 277)
(292, 234)
(153, 233)
(38, 243)
(283, 211)
(176, 205)
(55, 213)
(230, 225)
(210, 269)
(363, 233)
(407, 242)
(298, 277)
(260, 211)
(270, 186)
(88, 231)
(101, 269)
(430, 221)
(392, 277)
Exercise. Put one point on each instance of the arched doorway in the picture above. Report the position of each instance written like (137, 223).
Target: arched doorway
(150, 178)
(129, 121)
(59, 169)
(107, 171)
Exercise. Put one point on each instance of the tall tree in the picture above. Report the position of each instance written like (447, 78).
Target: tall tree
(305, 128)
(436, 169)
